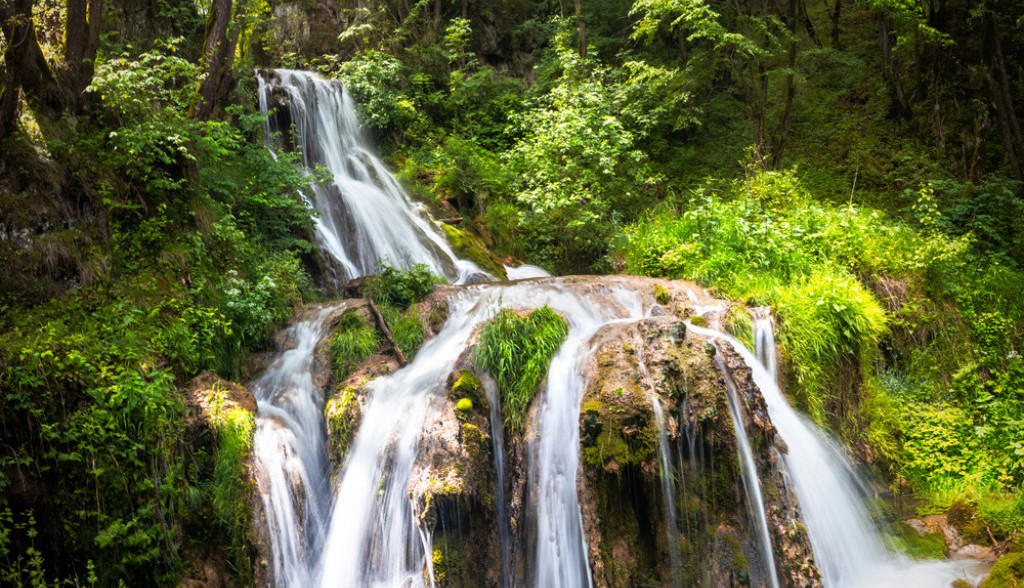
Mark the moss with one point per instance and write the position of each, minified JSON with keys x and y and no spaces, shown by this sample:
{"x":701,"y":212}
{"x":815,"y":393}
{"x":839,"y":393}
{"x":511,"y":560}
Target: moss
{"x":470,"y":247}
{"x":449,"y":563}
{"x":464,"y":406}
{"x":737,"y":323}
{"x":467,"y":385}
{"x":661,"y":295}
{"x":342,"y":416}
{"x":1007,"y":573}
{"x":611,"y":445}
{"x":698,"y":321}
{"x":927,"y":546}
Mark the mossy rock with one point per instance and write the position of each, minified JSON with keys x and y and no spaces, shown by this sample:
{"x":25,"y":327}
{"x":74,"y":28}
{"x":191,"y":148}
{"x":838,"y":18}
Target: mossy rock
{"x":1007,"y":573}
{"x":464,"y":406}
{"x":468,"y":387}
{"x":342,"y":414}
{"x":661,"y":295}
{"x":918,"y":546}
{"x":472,"y":248}
{"x":698,"y":321}
{"x":739,"y":325}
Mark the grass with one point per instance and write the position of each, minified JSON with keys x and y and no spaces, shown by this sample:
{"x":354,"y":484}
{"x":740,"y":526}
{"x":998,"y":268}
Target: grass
{"x":517,"y":350}
{"x":354,"y":341}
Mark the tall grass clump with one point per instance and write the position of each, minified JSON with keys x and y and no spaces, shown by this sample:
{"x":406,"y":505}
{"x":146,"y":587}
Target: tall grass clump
{"x":517,"y":350}
{"x":231,"y":487}
{"x":354,"y":341}
{"x":827,"y":317}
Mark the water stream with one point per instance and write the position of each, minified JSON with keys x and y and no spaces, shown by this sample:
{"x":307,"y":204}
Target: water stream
{"x":291,"y":458}
{"x":365,"y":216}
{"x":848,"y":548}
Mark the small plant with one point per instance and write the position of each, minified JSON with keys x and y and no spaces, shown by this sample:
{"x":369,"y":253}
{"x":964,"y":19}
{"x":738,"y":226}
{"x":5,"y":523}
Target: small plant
{"x":401,"y":288}
{"x":517,"y":350}
{"x":354,"y":342}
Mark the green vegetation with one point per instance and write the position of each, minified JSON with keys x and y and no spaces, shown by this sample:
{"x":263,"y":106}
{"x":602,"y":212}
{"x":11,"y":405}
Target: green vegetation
{"x":517,"y":350}
{"x":395,"y":292}
{"x":858,"y":165}
{"x":354,"y":341}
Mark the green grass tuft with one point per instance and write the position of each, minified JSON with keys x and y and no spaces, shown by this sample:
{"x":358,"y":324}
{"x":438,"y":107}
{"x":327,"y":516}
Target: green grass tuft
{"x":517,"y":350}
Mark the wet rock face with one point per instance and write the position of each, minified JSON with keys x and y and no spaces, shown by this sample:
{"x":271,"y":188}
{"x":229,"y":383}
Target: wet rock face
{"x":625,"y":517}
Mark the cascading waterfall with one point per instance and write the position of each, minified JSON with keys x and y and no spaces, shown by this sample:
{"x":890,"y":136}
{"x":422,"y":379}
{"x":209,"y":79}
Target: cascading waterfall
{"x":848,"y":549}
{"x":748,"y":471}
{"x":498,"y":440}
{"x":561,"y":552}
{"x":291,"y":460}
{"x":374,"y":537}
{"x":365,"y":216}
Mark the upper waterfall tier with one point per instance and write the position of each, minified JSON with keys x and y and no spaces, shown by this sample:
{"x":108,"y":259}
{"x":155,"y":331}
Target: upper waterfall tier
{"x":365,"y":217}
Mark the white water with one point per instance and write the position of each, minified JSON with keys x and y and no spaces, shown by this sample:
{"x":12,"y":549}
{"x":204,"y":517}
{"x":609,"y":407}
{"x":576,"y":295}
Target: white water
{"x":365,"y":216}
{"x":291,"y":460}
{"x":847,"y":547}
{"x":748,"y":470}
{"x":561,"y":552}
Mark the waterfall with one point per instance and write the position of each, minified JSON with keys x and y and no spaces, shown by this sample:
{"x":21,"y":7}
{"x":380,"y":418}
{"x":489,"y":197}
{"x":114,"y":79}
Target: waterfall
{"x":364,"y":215}
{"x":848,"y":548}
{"x":748,"y":471}
{"x":290,"y":455}
{"x":561,"y":551}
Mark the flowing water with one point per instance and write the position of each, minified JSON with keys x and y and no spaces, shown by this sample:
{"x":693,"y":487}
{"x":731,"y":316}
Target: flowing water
{"x":291,"y":459}
{"x":848,"y":548}
{"x":748,"y":470}
{"x":365,"y":216}
{"x":372,"y":535}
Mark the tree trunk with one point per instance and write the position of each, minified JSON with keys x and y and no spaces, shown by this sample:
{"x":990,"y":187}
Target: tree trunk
{"x":582,"y":29}
{"x":780,"y":141}
{"x":437,"y":17}
{"x":1001,"y":96}
{"x":26,"y":67}
{"x":218,"y":54}
{"x":891,"y":66}
{"x":84,"y":19}
{"x":835,"y":25}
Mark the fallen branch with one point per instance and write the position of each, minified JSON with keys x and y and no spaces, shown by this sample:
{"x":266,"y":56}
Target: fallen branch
{"x":383,"y":325}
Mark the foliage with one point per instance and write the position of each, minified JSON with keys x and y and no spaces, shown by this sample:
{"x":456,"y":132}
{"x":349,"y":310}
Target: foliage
{"x":400,"y":288}
{"x":354,"y":340}
{"x":231,"y":486}
{"x":517,"y":350}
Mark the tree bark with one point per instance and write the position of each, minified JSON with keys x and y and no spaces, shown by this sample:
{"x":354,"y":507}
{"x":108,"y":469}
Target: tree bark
{"x":581,"y":27}
{"x":218,"y":54}
{"x":835,"y":25}
{"x":84,"y":19}
{"x":1001,"y":97}
{"x":891,"y":66}
{"x":26,"y":67}
{"x":780,"y":141}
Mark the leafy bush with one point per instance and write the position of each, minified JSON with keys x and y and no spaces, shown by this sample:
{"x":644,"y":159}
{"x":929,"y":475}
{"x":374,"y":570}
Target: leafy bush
{"x":517,"y":350}
{"x":400,"y":288}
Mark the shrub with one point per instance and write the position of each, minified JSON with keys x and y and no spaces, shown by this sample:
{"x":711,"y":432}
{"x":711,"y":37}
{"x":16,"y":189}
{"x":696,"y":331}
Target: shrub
{"x":400,"y":288}
{"x":517,"y":350}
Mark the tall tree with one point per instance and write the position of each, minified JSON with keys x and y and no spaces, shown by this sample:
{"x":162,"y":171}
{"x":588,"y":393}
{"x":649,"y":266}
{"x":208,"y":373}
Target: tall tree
{"x":218,"y":55}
